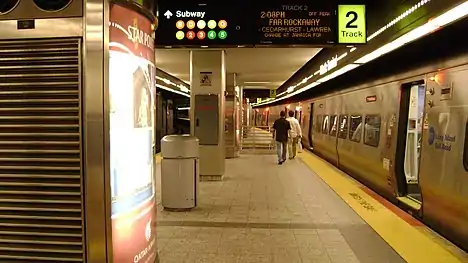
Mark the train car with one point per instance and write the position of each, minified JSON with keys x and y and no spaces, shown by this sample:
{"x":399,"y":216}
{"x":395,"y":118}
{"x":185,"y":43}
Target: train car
{"x":405,"y":136}
{"x":171,"y":115}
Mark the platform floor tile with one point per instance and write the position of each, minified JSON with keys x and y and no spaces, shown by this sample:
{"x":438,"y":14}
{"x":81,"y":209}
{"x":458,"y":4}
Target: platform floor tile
{"x":262,"y":212}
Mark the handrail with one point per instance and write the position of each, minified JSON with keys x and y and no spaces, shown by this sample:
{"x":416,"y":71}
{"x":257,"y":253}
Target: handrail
{"x":258,"y":139}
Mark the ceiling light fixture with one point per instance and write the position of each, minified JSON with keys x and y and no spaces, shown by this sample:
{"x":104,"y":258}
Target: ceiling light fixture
{"x":169,"y":82}
{"x":172,"y":90}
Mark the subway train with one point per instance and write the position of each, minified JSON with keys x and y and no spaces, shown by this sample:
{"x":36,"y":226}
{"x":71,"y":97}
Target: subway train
{"x":172,"y":115}
{"x":405,"y":136}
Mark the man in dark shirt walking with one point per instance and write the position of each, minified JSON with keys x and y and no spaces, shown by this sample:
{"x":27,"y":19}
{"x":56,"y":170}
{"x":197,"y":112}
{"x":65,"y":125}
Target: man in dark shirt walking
{"x":280,"y":134}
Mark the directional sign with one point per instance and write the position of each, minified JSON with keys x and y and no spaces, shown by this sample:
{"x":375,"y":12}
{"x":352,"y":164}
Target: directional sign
{"x":273,"y":93}
{"x":193,"y":25}
{"x":352,"y":24}
{"x":168,"y":14}
{"x":243,"y":23}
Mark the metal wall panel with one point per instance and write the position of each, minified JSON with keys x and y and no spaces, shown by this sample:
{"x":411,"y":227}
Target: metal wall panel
{"x":41,"y":216}
{"x":207,"y":119}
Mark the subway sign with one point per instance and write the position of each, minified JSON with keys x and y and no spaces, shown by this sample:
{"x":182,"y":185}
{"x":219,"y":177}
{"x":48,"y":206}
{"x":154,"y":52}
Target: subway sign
{"x":267,"y":24}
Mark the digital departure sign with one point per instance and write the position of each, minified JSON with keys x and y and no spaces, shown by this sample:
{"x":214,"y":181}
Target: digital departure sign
{"x":201,"y":25}
{"x":290,"y":24}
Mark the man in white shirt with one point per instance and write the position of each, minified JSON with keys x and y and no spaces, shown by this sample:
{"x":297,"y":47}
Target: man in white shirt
{"x":295,"y":134}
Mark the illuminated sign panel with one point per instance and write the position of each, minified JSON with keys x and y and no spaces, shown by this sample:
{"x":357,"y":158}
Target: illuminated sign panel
{"x":273,"y":93}
{"x":201,"y":25}
{"x":131,"y":96}
{"x":352,"y":24}
{"x":263,"y":24}
{"x":290,"y":24}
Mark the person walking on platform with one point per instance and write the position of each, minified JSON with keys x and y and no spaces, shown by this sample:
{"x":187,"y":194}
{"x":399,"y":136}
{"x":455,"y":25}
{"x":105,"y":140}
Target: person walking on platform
{"x":281,"y":128}
{"x":295,"y":134}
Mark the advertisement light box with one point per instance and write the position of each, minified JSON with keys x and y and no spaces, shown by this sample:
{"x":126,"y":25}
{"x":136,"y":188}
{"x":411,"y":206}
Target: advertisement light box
{"x":131,"y":99}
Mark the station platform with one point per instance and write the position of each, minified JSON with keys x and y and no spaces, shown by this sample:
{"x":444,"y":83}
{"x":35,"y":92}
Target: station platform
{"x":303,"y":211}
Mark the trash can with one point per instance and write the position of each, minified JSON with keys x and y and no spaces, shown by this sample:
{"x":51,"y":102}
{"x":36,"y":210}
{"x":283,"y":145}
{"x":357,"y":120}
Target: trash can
{"x":179,"y":172}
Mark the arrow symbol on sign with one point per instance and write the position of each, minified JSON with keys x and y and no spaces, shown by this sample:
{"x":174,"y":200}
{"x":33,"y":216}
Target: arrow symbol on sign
{"x":168,"y":14}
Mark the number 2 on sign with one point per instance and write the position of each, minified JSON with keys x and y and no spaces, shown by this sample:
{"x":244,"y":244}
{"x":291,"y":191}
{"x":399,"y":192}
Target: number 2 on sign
{"x":354,"y":16}
{"x":190,"y":35}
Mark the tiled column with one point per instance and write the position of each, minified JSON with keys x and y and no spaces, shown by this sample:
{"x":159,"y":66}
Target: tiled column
{"x":207,"y":104}
{"x":231,"y":114}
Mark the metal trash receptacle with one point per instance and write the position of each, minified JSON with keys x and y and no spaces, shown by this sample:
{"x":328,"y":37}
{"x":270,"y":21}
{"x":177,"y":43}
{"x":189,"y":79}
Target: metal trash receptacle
{"x":179,"y":172}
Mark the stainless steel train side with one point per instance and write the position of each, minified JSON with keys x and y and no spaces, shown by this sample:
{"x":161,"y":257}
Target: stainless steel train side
{"x":417,"y":159}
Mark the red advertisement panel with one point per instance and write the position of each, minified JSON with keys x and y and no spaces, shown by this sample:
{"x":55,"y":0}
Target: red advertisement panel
{"x":131,"y":95}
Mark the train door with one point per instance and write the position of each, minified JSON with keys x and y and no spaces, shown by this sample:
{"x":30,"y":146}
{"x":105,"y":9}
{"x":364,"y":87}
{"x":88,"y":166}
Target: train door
{"x":410,"y":128}
{"x":298,"y":114}
{"x":159,"y":119}
{"x":311,"y":125}
{"x":164,"y":117}
{"x":170,"y":117}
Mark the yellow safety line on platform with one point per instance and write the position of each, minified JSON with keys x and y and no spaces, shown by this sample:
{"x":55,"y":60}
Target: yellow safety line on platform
{"x":411,"y":244}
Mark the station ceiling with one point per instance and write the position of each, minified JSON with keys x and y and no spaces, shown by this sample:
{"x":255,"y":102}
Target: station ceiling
{"x":257,"y":68}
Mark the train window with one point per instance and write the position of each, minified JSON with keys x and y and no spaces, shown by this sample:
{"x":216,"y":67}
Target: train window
{"x":334,"y":125}
{"x":318,"y":123}
{"x":372,"y":130}
{"x":465,"y":151}
{"x":325,"y":124}
{"x":343,"y":132}
{"x":355,"y":128}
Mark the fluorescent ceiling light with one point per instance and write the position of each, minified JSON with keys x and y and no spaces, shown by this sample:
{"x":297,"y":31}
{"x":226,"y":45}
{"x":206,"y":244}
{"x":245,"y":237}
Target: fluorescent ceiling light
{"x":172,"y":90}
{"x":256,"y":87}
{"x":184,"y":89}
{"x":448,"y":17}
{"x":180,"y":86}
{"x":426,"y":29}
{"x":337,"y":73}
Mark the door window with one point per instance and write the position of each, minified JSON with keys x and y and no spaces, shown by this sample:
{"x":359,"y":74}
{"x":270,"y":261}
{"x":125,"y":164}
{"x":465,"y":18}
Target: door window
{"x":372,"y":130}
{"x":318,"y":124}
{"x":465,"y":151}
{"x":325,"y":124}
{"x":343,"y":131}
{"x":355,"y":128}
{"x":334,"y":125}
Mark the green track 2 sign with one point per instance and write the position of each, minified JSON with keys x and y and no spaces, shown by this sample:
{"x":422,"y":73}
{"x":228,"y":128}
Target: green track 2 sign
{"x":352,"y":24}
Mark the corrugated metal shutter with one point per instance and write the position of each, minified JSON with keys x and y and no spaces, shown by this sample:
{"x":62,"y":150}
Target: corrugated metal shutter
{"x":40,"y":151}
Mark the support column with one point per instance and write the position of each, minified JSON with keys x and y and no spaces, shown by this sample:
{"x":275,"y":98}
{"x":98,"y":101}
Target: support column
{"x":231,"y":119}
{"x":207,"y":104}
{"x":238,"y":129}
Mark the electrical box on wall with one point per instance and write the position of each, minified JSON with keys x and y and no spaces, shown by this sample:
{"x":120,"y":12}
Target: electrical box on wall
{"x":37,"y":9}
{"x":207,"y":119}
